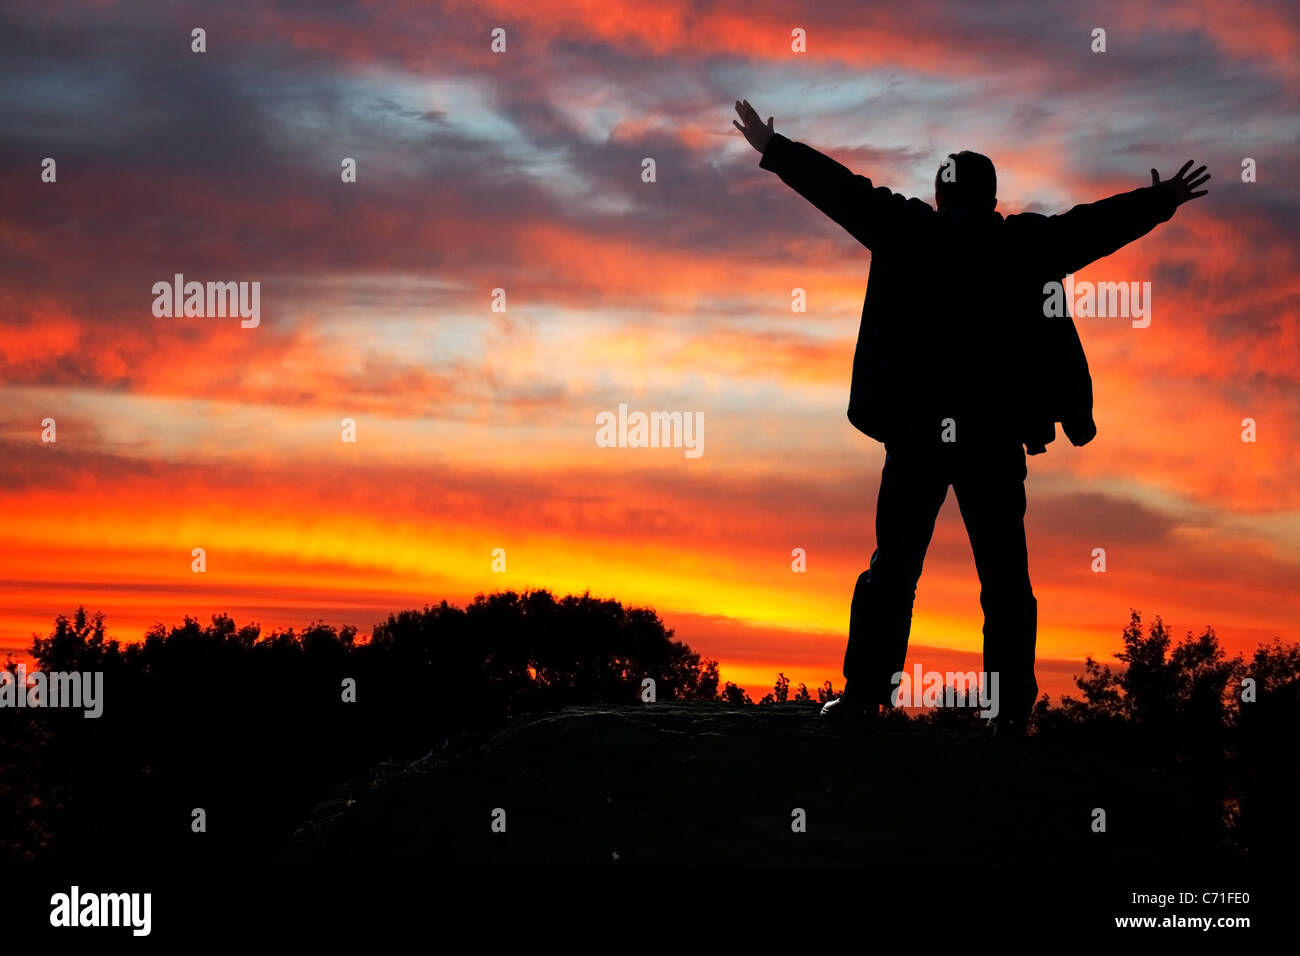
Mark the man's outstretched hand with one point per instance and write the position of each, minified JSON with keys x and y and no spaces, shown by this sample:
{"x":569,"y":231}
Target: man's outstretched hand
{"x":1182,"y":184}
{"x":753,"y":128}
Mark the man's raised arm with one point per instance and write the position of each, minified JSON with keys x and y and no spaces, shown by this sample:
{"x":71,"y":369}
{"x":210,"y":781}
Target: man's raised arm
{"x":869,"y":213}
{"x":1091,"y":231}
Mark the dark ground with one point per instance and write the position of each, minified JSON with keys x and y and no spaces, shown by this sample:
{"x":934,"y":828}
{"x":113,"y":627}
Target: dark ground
{"x":687,"y":784}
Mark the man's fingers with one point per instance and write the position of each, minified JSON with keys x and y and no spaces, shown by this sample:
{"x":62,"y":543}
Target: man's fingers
{"x":1155,"y":178}
{"x":1199,"y":182}
{"x":738,"y":126}
{"x":1186,"y":166}
{"x":1203,"y":192}
{"x":1196,"y":172}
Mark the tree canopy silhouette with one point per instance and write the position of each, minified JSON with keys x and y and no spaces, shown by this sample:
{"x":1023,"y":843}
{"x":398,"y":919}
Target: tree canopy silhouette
{"x":254,"y":728}
{"x":221,"y":716}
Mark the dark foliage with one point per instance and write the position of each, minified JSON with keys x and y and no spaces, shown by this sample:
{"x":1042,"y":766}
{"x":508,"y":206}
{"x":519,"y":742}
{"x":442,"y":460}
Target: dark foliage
{"x":254,"y":729}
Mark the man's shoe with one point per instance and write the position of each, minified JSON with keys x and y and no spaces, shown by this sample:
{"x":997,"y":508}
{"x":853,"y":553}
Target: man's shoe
{"x":846,"y":709}
{"x":1001,"y":728}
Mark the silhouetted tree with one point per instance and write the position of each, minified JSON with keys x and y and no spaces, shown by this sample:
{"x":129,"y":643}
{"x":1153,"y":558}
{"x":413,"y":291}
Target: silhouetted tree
{"x":782,"y":689}
{"x":735,"y":694}
{"x":1182,"y":691}
{"x":1266,"y":781}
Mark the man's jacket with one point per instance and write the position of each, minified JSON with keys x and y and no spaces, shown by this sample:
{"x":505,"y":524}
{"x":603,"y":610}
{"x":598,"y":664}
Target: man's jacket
{"x":953,"y":324}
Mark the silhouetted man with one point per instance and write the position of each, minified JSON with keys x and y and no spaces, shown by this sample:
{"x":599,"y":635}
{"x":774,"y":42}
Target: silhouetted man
{"x":958,"y":370}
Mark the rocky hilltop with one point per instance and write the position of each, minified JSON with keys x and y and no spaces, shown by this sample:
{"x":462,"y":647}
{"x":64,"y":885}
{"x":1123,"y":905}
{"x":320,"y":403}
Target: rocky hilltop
{"x":708,"y":783}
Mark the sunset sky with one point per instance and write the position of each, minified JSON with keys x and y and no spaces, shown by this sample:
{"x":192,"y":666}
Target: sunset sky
{"x":522,"y":171}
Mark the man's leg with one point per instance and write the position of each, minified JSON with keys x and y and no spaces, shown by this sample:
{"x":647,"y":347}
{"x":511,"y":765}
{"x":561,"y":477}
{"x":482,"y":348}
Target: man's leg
{"x":990,"y":488}
{"x":913,"y":486}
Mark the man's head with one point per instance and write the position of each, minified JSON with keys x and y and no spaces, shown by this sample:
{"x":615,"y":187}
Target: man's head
{"x":966,"y":181}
